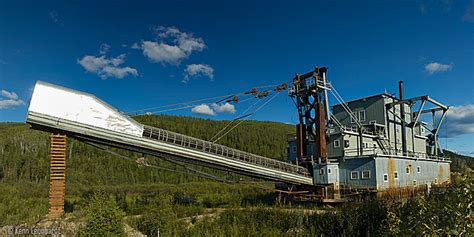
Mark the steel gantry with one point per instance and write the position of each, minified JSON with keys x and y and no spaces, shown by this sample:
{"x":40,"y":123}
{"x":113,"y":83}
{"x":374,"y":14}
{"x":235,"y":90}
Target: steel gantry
{"x":437,"y":120}
{"x":309,"y":94}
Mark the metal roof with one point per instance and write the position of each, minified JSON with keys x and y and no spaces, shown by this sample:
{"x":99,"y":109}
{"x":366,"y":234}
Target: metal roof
{"x":385,"y":94}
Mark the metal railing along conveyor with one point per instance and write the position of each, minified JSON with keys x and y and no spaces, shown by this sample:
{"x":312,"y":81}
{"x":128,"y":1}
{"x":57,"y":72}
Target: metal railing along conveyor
{"x":213,"y":148}
{"x":83,"y":116}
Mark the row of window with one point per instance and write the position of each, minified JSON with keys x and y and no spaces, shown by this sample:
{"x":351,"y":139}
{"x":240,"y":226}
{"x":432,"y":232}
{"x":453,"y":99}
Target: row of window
{"x":337,"y":144}
{"x":407,"y":169}
{"x":321,"y":171}
{"x":365,"y":174}
{"x":395,"y":173}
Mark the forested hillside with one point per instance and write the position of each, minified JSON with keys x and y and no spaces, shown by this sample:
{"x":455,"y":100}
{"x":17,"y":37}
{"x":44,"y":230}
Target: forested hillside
{"x":100,"y":186}
{"x":460,"y":163}
{"x":263,"y":138}
{"x":24,"y":168}
{"x":24,"y":152}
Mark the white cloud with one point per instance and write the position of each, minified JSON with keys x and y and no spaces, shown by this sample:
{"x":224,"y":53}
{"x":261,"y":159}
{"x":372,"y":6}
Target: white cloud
{"x":460,"y":120}
{"x":161,"y":52}
{"x":5,"y":104}
{"x":213,"y":109}
{"x":135,"y":46}
{"x":224,"y":108}
{"x":11,"y":100}
{"x":438,"y":67}
{"x":186,"y":41}
{"x":107,"y":67}
{"x":104,"y":48}
{"x":171,"y":47}
{"x":9,"y":94}
{"x":203,"y":109}
{"x":193,"y":70}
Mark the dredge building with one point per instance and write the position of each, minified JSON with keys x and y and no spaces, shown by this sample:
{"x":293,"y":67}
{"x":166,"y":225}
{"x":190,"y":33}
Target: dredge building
{"x":373,"y":144}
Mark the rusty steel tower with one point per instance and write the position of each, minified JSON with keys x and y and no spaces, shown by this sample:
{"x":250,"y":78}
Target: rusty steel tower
{"x":309,"y":94}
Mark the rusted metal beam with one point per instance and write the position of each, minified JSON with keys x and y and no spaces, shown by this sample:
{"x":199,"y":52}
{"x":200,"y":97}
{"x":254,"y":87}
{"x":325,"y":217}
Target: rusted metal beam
{"x":402,"y":114}
{"x":321,"y":149}
{"x":300,"y":142}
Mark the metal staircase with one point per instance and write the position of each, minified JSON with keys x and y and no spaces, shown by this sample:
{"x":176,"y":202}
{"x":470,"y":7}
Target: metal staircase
{"x":384,"y":144}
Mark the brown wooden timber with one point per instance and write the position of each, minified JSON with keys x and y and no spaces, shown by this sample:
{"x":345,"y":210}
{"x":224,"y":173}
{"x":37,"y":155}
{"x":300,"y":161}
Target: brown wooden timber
{"x":57,"y":185}
{"x":321,"y":150}
{"x":300,"y":136}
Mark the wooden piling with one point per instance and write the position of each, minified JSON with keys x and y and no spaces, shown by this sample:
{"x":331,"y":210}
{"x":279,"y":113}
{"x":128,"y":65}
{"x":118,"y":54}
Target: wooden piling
{"x":57,"y":175}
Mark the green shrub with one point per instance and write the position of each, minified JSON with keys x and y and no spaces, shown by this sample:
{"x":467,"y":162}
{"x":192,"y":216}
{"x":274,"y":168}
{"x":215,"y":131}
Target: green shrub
{"x":159,"y":219}
{"x":448,"y":213}
{"x":22,"y":203}
{"x":103,"y":216}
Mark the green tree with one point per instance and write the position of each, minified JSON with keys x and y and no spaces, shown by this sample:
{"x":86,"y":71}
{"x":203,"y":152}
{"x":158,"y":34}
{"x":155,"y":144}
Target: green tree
{"x":103,"y":216}
{"x":160,"y":217}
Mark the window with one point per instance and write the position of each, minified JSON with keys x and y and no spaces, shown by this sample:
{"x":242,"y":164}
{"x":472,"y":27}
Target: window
{"x":337,"y":143}
{"x":329,"y":171}
{"x":362,"y":115}
{"x":385,"y":177}
{"x":293,"y":149}
{"x":375,"y":145}
{"x":321,"y":171}
{"x":436,"y":180}
{"x":366,"y":145}
{"x":395,"y":174}
{"x":346,"y":143}
{"x":407,"y":170}
{"x":354,"y":174}
{"x":418,"y":169}
{"x":366,"y":174}
{"x":414,"y":182}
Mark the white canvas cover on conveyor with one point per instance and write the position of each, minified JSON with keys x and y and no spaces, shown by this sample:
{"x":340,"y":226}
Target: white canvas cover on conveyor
{"x":80,"y":107}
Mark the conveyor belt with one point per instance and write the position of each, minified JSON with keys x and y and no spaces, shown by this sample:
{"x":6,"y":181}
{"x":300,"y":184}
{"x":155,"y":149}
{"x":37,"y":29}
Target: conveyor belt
{"x":213,"y":148}
{"x":89,"y":118}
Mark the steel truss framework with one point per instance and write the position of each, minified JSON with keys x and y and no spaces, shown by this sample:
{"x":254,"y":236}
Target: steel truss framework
{"x":433,"y":140}
{"x":309,"y":94}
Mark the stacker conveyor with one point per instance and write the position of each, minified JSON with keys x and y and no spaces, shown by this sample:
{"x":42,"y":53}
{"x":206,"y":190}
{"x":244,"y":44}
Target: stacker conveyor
{"x":83,"y":116}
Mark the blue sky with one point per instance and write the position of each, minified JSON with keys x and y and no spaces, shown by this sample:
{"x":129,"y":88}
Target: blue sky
{"x":137,"y":54}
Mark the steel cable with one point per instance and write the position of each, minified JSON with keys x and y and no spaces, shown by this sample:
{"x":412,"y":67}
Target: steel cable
{"x":241,"y":121}
{"x":194,"y":101}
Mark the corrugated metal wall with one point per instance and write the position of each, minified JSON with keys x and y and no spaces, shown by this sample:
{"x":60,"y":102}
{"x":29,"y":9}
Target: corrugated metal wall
{"x":420,"y":171}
